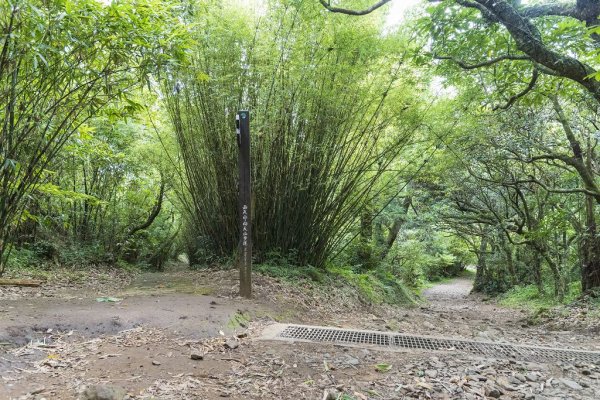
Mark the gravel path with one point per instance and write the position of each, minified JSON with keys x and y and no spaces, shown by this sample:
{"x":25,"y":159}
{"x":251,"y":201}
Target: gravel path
{"x":457,"y":288}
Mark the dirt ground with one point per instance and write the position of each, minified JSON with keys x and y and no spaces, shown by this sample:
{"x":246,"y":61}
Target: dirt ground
{"x":185,"y":335}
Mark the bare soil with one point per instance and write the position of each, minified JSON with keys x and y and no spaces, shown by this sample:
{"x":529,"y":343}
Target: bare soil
{"x":61,"y":342}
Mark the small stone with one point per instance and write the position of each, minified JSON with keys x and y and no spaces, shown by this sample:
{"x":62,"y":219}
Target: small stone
{"x":154,"y":362}
{"x":428,"y":325}
{"x":493,"y":392}
{"x":477,"y":378}
{"x":232,"y":344}
{"x":353,"y":361}
{"x":520,"y":377}
{"x":197,"y":356}
{"x":103,"y":392}
{"x":505,"y":384}
{"x":331,"y":394}
{"x":571,"y":384}
{"x":513,"y":380}
{"x":586,"y":372}
{"x":531,"y":377}
{"x":432,"y":373}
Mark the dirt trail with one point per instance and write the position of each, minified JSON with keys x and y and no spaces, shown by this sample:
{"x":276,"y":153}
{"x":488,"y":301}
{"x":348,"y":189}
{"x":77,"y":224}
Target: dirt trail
{"x":144,"y":345}
{"x":457,"y":288}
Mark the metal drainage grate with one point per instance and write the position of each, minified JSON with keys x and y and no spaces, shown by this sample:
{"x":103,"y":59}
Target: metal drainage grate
{"x":335,"y":335}
{"x":495,"y":350}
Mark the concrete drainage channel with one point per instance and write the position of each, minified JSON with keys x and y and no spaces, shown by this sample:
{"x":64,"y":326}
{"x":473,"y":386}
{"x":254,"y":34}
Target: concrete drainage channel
{"x":394,"y":341}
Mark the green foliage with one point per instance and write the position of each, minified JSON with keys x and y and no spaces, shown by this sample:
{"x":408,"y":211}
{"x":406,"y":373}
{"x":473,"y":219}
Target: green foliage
{"x":63,"y":63}
{"x":375,"y":286}
{"x":529,"y":297}
{"x":417,"y":259}
{"x":326,"y":105}
{"x":21,"y":258}
{"x":280,"y":268}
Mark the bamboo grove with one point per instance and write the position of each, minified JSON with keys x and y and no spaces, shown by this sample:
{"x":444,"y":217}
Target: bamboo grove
{"x":326,"y":123}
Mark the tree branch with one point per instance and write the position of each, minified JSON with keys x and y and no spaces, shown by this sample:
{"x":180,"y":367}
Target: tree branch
{"x":346,"y":11}
{"x":529,"y":88}
{"x":544,"y":10}
{"x":586,"y":10}
{"x":153,"y":214}
{"x":486,"y":63}
{"x":529,"y":41}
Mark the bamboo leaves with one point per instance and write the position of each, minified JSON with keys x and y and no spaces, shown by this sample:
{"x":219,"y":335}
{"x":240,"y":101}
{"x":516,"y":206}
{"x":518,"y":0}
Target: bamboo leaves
{"x":323,"y":128}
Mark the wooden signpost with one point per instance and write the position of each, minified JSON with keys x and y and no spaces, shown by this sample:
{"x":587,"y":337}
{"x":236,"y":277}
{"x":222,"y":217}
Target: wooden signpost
{"x":245,"y":202}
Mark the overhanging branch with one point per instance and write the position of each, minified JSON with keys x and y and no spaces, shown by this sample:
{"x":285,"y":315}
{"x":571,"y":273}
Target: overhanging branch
{"x":534,"y":77}
{"x":582,"y":10}
{"x":486,"y":63}
{"x":346,"y":11}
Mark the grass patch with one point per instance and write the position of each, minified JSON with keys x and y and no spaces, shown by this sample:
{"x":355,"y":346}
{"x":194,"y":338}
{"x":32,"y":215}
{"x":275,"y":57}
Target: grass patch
{"x":375,"y":286}
{"x":529,"y":298}
{"x":290,"y":272}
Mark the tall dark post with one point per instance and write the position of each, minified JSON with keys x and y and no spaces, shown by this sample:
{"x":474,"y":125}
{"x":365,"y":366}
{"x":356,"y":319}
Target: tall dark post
{"x":245,"y":208}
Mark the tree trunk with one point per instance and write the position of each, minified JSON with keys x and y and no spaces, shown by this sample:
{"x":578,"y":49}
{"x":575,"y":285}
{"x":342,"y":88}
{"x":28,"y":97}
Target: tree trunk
{"x":365,"y":251}
{"x":481,"y":266}
{"x":395,"y":229}
{"x":537,"y":271}
{"x":590,"y":268}
{"x":559,"y":283}
{"x":510,"y":264}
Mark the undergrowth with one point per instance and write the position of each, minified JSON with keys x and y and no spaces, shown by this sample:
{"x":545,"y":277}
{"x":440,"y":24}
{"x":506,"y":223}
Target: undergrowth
{"x":376,"y":287}
{"x":73,"y":265}
{"x":528,"y":297}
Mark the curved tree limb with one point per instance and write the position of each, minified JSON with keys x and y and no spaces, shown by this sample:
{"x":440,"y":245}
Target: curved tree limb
{"x":346,"y":11}
{"x":528,"y":39}
{"x":582,"y":10}
{"x":486,"y":63}
{"x":153,"y":214}
{"x":534,"y":77}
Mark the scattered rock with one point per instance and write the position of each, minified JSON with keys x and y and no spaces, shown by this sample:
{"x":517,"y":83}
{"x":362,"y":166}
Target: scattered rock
{"x":571,"y":384}
{"x":520,"y":377}
{"x":232,"y":344}
{"x":531,"y":377}
{"x":432,"y":373}
{"x":428,"y":325}
{"x":506,"y":384}
{"x":352,"y":361}
{"x":493,"y":392}
{"x":331,"y":394}
{"x":103,"y":392}
{"x":154,"y":362}
{"x":197,"y":356}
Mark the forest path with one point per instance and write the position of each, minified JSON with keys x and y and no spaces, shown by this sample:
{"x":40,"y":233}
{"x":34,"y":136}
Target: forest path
{"x":168,"y":358}
{"x":455,"y":288}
